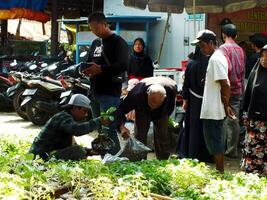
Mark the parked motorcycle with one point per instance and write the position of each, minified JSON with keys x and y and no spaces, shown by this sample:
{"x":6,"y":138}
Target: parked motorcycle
{"x":14,"y":93}
{"x":41,"y":99}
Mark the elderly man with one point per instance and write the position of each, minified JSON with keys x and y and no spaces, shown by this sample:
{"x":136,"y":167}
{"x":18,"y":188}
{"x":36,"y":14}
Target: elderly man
{"x":215,"y":105}
{"x":153,"y":99}
{"x":56,"y":137}
{"x":109,"y":59}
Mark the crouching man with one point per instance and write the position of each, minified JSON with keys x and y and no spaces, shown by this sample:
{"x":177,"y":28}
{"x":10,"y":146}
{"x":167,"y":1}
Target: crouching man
{"x":153,"y":99}
{"x":56,"y":137}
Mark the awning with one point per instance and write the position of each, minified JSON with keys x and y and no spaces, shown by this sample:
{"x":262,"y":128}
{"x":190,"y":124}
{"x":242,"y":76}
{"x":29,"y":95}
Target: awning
{"x":28,"y":9}
{"x":195,"y":6}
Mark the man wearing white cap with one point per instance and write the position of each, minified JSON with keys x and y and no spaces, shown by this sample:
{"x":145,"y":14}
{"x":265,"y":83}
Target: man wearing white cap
{"x":56,"y":137}
{"x":215,"y":105}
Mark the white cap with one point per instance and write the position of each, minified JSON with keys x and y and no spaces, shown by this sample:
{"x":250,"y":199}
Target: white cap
{"x":79,"y":100}
{"x":131,"y":83}
{"x":205,"y":35}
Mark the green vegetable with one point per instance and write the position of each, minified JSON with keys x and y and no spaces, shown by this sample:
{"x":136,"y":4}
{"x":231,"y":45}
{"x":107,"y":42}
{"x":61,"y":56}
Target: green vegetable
{"x":24,"y":178}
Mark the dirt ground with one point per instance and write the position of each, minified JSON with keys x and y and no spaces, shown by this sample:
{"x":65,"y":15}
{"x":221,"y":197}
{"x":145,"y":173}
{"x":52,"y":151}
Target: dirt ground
{"x":12,"y":124}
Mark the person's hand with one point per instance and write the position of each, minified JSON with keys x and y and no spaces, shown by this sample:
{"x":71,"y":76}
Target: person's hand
{"x":230,"y":113}
{"x":131,"y":115}
{"x":185,"y":104}
{"x":105,"y":121}
{"x":93,"y":70}
{"x":125,"y":133}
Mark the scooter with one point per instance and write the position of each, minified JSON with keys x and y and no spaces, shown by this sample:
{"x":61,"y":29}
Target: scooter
{"x":14,"y":93}
{"x":41,"y":99}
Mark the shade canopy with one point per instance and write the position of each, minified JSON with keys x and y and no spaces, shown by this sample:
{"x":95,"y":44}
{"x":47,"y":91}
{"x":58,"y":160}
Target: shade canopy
{"x":201,"y":6}
{"x":29,"y":9}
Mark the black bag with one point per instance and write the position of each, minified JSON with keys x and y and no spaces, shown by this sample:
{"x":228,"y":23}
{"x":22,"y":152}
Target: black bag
{"x":134,"y":150}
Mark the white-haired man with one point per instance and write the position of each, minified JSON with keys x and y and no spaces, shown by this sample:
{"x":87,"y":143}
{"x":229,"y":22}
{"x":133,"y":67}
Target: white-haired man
{"x":153,"y":99}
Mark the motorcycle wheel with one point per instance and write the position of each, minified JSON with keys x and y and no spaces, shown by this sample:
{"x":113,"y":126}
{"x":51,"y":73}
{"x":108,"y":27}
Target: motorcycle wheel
{"x":35,"y":115}
{"x":3,"y":87}
{"x":18,"y":98}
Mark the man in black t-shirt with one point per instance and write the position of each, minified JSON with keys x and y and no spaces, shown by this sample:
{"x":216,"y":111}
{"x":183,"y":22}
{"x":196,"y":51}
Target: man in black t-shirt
{"x":153,"y":99}
{"x":108,"y":59}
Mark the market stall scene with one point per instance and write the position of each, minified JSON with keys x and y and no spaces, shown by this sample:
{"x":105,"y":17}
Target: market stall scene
{"x":133,"y":99}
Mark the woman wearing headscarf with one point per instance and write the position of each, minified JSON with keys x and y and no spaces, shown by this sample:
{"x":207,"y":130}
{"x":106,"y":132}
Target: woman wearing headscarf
{"x":140,"y":64}
{"x":254,"y":158}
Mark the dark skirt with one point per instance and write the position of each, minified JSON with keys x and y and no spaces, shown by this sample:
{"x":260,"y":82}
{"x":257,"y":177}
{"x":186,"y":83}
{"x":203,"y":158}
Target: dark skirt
{"x":191,"y":140}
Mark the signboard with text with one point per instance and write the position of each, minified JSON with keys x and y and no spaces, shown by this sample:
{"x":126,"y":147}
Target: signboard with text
{"x":247,"y":22}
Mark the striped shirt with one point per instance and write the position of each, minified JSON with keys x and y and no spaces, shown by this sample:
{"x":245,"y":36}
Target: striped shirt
{"x":236,"y":73}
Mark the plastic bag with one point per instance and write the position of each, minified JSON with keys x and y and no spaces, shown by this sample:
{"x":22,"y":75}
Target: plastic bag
{"x":108,"y":158}
{"x":134,"y":150}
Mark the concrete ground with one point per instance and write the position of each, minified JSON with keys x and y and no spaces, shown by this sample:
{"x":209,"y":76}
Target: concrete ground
{"x":12,"y":124}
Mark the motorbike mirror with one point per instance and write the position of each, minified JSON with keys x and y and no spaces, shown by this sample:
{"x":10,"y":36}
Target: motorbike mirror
{"x":36,"y":53}
{"x":83,"y":54}
{"x":52,"y":67}
{"x":60,"y":54}
{"x":33,"y":67}
{"x":14,"y":63}
{"x":44,"y":65}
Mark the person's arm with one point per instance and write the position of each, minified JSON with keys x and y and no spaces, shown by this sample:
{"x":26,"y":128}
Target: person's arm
{"x":248,"y":90}
{"x":91,"y":51}
{"x":121,"y":59}
{"x":219,"y":70}
{"x":225,"y":96}
{"x":70,"y":126}
{"x":185,"y":89}
{"x":126,"y":105}
{"x":172,"y":92}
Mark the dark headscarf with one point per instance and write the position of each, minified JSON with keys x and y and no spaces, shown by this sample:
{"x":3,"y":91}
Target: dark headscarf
{"x":140,"y":54}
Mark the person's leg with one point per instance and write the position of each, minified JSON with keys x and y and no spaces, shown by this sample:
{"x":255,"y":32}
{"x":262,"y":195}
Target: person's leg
{"x":162,"y":138}
{"x":219,"y":160}
{"x":214,"y":138}
{"x":232,"y":129}
{"x":95,"y":106}
{"x":74,"y":152}
{"x":142,"y":124}
{"x":105,"y":102}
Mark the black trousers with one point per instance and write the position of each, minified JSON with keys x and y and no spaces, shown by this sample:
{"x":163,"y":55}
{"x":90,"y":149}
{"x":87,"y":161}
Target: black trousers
{"x":162,"y":138}
{"x":73,"y":152}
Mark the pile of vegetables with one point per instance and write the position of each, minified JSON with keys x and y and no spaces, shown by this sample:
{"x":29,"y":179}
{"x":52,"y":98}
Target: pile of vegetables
{"x":21,"y":177}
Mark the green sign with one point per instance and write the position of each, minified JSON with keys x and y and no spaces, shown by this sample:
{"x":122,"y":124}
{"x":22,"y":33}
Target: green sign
{"x":198,"y":17}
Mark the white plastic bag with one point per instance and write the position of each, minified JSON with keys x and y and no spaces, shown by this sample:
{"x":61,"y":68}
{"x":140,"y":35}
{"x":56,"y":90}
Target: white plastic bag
{"x":108,"y":158}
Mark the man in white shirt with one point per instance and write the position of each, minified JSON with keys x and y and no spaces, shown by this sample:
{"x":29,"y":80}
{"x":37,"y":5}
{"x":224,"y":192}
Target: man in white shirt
{"x":215,"y":105}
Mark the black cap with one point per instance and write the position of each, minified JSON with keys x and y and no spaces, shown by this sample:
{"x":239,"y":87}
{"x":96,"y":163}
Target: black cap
{"x":225,"y":21}
{"x":229,"y":30}
{"x":258,"y":39}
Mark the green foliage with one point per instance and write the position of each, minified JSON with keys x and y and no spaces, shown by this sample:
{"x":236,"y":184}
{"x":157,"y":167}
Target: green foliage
{"x":21,"y":177}
{"x":109,"y":114}
{"x":172,"y":123}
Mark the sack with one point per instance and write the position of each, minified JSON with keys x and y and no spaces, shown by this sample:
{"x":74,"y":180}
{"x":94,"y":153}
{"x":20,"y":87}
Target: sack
{"x":134,"y":150}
